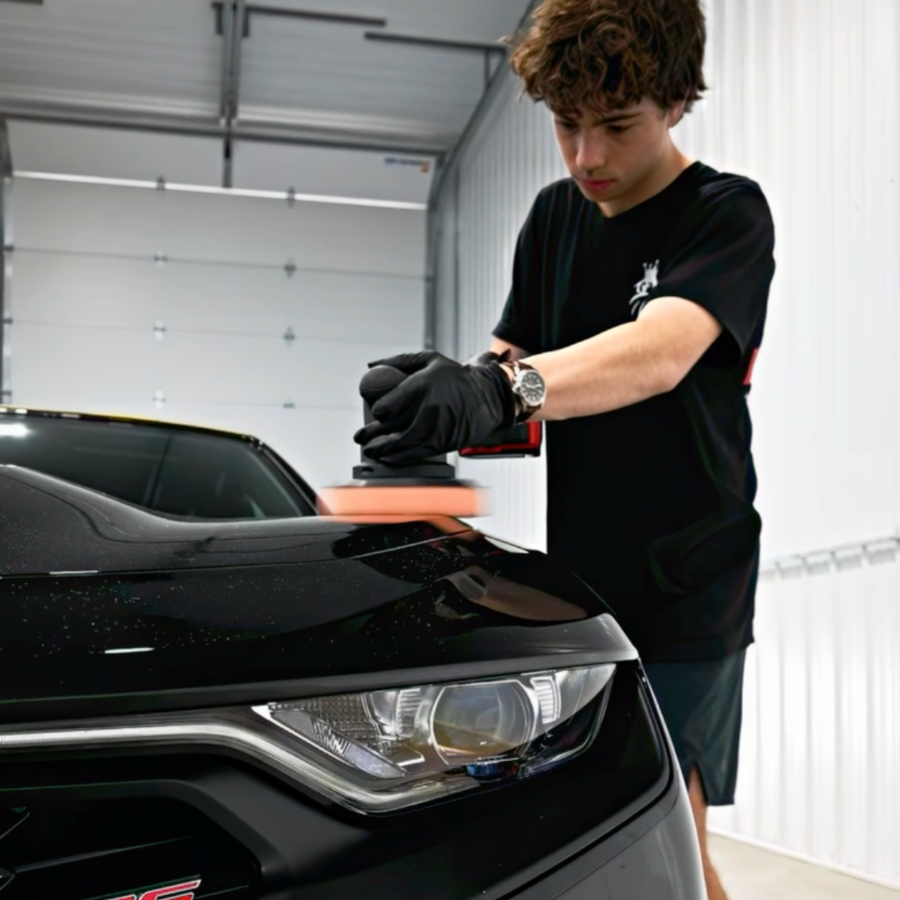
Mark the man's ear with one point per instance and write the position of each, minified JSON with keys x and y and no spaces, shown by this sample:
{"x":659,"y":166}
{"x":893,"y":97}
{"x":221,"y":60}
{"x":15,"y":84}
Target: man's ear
{"x":676,"y":113}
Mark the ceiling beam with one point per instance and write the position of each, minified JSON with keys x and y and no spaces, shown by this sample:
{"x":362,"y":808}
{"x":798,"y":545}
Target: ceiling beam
{"x":211,"y":127}
{"x":312,"y":15}
{"x":6,"y":169}
{"x":233,"y":14}
{"x":309,"y":15}
{"x":225,"y":29}
{"x":233,"y":80}
{"x":6,"y":166}
{"x":437,"y":43}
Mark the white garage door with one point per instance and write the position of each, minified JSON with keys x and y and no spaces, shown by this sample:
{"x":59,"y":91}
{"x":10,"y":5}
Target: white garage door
{"x":243,"y":313}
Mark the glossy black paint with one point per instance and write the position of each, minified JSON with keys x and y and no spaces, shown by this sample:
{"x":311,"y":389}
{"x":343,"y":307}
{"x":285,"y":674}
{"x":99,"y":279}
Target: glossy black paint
{"x":486,"y":845}
{"x":228,"y":613}
{"x":50,"y":525}
{"x":69,"y":427}
{"x":94,"y":849}
{"x":171,"y":605}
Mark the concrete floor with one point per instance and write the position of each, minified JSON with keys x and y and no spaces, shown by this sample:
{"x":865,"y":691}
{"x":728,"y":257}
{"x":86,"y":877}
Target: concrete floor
{"x":750,"y":873}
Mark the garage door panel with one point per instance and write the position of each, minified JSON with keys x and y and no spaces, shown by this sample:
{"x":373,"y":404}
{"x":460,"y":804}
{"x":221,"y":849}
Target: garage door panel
{"x":238,"y":369}
{"x":126,"y":293}
{"x":119,"y":367}
{"x":86,"y":295}
{"x":127,"y":221}
{"x":40,"y":147}
{"x":80,"y":368}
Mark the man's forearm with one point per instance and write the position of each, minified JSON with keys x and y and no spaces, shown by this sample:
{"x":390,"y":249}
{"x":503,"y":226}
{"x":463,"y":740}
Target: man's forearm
{"x":614,"y":369}
{"x":577,"y":376}
{"x":626,"y":364}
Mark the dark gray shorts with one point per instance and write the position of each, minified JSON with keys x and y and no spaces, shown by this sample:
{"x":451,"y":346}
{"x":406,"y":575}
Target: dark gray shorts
{"x":701,"y":705}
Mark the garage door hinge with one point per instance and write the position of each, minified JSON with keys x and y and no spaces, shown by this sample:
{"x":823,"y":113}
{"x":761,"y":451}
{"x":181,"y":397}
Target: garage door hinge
{"x":160,"y":258}
{"x":289,"y":404}
{"x":160,"y":183}
{"x":289,"y":336}
{"x":159,"y":331}
{"x":7,"y":320}
{"x":291,"y":196}
{"x":290,"y":268}
{"x":159,"y":398}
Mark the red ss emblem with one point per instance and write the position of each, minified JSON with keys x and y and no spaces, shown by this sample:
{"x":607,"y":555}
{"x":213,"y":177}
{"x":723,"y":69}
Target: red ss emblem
{"x":184,"y":891}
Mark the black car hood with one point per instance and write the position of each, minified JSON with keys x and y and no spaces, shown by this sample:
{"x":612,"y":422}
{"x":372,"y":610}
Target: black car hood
{"x":102,"y":602}
{"x":48,"y":525}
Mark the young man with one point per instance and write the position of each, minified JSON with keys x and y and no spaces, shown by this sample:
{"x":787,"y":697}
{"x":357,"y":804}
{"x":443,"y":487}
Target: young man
{"x":639,"y":298}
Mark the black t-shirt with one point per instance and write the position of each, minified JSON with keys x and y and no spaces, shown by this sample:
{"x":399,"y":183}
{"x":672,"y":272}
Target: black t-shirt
{"x":652,"y":504}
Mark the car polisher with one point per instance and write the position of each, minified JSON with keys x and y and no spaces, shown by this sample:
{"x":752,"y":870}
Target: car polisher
{"x":429,"y":487}
{"x":425,"y":488}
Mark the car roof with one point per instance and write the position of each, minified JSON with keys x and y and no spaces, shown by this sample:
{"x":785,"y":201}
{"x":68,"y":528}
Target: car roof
{"x":18,"y":410}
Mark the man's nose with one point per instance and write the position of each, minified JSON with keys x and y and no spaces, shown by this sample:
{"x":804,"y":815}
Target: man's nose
{"x":592,"y":152}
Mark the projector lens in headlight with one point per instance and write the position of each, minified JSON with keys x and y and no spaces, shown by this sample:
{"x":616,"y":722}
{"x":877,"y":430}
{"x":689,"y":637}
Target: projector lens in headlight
{"x":499,"y":729}
{"x":473,"y":721}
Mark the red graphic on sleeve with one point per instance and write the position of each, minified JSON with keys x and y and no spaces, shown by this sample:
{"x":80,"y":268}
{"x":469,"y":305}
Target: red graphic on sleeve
{"x":752,"y":363}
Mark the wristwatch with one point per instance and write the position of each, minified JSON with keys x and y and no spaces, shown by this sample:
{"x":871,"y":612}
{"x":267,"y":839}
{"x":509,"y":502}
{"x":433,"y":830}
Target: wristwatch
{"x":528,"y":387}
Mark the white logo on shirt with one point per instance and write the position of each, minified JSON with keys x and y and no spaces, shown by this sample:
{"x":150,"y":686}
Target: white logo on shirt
{"x":643,"y":287}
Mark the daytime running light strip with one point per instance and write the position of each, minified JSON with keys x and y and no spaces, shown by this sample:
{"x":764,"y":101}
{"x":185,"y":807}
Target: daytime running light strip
{"x":249,"y":743}
{"x":224,"y":192}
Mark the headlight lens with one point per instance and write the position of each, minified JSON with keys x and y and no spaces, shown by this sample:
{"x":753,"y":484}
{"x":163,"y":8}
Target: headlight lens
{"x":499,"y":729}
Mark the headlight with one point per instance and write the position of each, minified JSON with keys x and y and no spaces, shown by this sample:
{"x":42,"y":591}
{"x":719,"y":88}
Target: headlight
{"x":382,"y":751}
{"x":452,"y":735}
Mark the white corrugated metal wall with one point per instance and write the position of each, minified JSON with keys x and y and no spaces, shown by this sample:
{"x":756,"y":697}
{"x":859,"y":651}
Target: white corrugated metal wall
{"x":805,"y":100}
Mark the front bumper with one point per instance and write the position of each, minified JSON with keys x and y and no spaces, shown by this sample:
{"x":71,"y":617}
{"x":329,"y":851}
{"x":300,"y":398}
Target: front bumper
{"x":653,"y":857}
{"x":615,"y":823}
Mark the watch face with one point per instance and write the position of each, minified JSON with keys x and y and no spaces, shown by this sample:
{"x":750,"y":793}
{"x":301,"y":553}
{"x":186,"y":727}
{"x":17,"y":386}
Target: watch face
{"x":532,"y":388}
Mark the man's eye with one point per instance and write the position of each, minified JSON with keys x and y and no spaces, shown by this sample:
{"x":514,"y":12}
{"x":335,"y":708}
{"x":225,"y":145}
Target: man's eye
{"x":567,"y":126}
{"x":619,"y":129}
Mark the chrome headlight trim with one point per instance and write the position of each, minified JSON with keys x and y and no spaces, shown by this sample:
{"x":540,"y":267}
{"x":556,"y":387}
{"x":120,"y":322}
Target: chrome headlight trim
{"x":181,"y":731}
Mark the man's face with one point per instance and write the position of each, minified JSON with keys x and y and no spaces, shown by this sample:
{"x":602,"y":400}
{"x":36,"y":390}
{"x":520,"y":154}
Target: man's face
{"x":618,"y":159}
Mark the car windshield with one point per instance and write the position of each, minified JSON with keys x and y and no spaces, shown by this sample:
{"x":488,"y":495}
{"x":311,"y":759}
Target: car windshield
{"x":169,"y":470}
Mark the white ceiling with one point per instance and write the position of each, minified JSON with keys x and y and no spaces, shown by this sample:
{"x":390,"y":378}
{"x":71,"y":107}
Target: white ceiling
{"x":159,"y":63}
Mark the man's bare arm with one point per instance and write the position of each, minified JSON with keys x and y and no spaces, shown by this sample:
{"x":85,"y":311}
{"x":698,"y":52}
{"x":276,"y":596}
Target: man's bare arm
{"x":626,"y":364}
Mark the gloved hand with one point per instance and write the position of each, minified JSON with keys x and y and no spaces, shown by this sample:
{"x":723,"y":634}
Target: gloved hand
{"x":441,"y":406}
{"x":486,"y":358}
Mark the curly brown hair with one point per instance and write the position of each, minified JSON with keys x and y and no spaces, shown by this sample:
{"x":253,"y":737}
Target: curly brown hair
{"x":609,"y":54}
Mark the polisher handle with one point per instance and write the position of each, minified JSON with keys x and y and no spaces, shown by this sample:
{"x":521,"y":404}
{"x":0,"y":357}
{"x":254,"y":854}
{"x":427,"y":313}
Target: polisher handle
{"x":377,"y":382}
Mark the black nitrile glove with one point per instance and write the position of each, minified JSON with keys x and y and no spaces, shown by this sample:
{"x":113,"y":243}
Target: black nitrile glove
{"x":440,"y":407}
{"x":488,"y":357}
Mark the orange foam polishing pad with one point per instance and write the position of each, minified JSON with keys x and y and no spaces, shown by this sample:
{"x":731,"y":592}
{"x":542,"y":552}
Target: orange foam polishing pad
{"x":403,"y":500}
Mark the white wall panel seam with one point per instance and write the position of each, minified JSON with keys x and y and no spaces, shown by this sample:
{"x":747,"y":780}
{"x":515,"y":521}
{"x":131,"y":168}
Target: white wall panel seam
{"x":168,"y":260}
{"x":239,"y":334}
